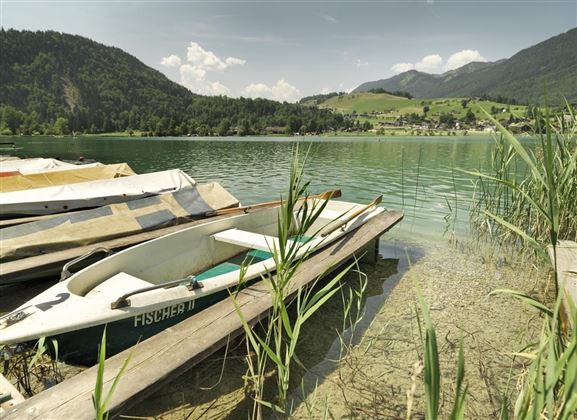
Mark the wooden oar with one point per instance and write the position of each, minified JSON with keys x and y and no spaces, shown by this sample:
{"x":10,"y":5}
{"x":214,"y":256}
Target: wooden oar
{"x":322,"y":196}
{"x":360,"y":211}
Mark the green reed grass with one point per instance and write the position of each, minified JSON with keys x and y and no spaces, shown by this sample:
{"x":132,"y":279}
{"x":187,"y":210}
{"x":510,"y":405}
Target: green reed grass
{"x":534,"y":206}
{"x":432,"y":369}
{"x":99,"y":399}
{"x":535,"y":209}
{"x":30,"y":367}
{"x":275,"y":348}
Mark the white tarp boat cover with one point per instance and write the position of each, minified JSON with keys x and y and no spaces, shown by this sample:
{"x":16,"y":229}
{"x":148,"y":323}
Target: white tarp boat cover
{"x":17,"y":182}
{"x":61,"y":198}
{"x":33,"y":165}
{"x":113,"y":221}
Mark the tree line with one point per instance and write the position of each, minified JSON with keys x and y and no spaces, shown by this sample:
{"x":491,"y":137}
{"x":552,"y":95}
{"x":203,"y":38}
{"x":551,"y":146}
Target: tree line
{"x":54,"y":83}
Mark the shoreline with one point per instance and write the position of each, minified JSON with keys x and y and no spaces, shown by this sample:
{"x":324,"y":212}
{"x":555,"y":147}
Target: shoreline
{"x":414,"y":133}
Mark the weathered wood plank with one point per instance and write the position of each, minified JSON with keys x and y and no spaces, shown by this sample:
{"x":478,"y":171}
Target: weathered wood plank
{"x":567,"y":270}
{"x":165,"y":356}
{"x":7,"y":390}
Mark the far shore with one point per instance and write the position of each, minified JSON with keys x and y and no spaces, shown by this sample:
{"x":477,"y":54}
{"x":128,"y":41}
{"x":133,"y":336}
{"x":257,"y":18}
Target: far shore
{"x":401,"y":132}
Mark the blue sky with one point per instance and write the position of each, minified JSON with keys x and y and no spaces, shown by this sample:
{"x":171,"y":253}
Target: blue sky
{"x":286,"y":49}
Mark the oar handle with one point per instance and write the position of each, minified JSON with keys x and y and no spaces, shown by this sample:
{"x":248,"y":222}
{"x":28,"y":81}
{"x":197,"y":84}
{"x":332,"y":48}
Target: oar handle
{"x":356,"y":213}
{"x":322,"y":196}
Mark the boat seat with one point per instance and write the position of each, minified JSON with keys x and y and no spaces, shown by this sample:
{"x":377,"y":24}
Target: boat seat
{"x":258,"y":241}
{"x":116,"y":286}
{"x":247,"y":239}
{"x":333,"y":214}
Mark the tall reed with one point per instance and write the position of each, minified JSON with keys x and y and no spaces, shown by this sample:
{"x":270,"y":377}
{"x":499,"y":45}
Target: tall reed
{"x":275,"y":348}
{"x":432,"y":370}
{"x":536,"y":209}
{"x":100,"y":401}
{"x":529,"y":198}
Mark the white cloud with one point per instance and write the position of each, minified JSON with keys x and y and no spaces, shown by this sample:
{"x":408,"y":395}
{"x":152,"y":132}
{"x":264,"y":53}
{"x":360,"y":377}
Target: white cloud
{"x":463,"y":57}
{"x":193,"y":78}
{"x":170,"y":61}
{"x":216,"y":88}
{"x":325,"y":90}
{"x":189,"y":73}
{"x":208,"y":60}
{"x":199,"y":64}
{"x":281,"y":91}
{"x":284,"y":91}
{"x":402,"y":67}
{"x":430,"y":64}
{"x":233,"y":61}
{"x":433,"y":63}
{"x":329,"y":18}
{"x":257,"y":90}
{"x":360,"y":63}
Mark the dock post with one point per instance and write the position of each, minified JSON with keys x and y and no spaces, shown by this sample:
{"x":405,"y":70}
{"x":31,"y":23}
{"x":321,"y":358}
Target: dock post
{"x":567,"y":274}
{"x":371,"y":252}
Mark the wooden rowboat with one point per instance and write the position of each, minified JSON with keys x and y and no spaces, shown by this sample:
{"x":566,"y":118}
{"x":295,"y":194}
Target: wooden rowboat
{"x":147,"y":288}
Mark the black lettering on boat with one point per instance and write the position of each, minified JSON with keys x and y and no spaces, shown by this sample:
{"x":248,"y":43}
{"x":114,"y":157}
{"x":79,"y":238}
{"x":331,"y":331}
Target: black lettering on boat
{"x":61,"y":297}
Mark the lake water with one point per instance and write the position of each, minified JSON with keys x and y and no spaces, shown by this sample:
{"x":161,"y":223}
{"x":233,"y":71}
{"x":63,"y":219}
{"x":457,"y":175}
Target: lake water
{"x":415,"y":174}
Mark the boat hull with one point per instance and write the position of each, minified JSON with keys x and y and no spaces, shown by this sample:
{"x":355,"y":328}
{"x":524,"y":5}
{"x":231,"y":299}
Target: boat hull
{"x":80,"y":347}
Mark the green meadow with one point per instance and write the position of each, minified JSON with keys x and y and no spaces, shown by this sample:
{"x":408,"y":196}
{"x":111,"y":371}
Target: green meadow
{"x":383,"y":106}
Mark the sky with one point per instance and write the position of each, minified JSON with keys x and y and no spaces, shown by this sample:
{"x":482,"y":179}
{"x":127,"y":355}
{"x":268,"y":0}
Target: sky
{"x":284,"y":50}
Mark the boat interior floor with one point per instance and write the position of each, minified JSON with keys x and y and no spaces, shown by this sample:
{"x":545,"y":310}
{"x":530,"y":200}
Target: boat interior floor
{"x":124,"y":282}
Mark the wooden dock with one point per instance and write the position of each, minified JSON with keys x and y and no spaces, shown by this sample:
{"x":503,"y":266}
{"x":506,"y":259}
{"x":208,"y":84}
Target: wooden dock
{"x":9,"y":396}
{"x":169,"y":354}
{"x":567,"y":270}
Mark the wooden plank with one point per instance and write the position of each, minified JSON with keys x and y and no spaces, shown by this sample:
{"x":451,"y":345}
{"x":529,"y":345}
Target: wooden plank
{"x":167,"y":355}
{"x":52,"y":263}
{"x":7,"y":390}
{"x":567,"y":270}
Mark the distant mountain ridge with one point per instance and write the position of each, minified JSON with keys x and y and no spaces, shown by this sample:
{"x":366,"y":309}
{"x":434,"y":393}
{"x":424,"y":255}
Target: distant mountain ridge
{"x":550,"y":65}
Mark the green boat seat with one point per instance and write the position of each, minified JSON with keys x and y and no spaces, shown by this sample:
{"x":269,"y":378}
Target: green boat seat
{"x":217,"y":270}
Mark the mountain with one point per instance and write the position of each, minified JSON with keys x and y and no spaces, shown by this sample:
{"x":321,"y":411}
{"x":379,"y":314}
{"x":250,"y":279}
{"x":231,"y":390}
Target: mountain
{"x":53,"y":83}
{"x":551,"y":64}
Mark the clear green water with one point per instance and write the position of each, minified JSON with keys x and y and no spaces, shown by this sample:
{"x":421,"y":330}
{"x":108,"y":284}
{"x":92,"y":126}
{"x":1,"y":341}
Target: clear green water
{"x":417,"y":175}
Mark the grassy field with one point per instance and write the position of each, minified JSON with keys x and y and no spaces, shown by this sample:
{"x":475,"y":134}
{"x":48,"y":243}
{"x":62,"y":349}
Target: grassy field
{"x":382,"y":106}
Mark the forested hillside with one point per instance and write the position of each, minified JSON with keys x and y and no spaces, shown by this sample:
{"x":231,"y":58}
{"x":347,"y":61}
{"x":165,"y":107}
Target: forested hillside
{"x":54,"y":83}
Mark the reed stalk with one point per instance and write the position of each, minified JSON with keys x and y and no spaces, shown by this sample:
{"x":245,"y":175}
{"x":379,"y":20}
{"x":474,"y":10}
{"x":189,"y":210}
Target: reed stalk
{"x":533,"y":210}
{"x":275,"y":348}
{"x":432,"y":370}
{"x":99,"y":399}
{"x":528,"y":200}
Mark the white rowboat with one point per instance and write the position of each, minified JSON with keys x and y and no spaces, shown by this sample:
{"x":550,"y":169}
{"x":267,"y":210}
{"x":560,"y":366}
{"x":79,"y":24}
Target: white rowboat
{"x":147,"y":288}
